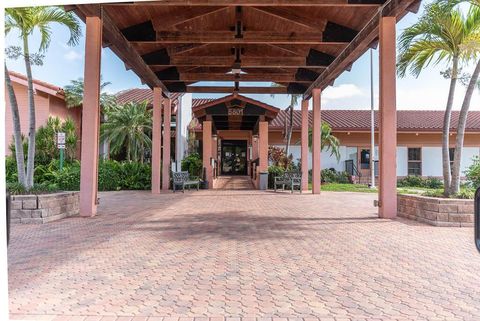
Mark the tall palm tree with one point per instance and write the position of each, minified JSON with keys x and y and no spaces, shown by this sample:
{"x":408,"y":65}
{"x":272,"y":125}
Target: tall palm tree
{"x":17,"y":131}
{"x":128,"y":126}
{"x":74,"y":94}
{"x":328,"y":141}
{"x":473,"y":45}
{"x":439,"y":36}
{"x":26,"y":21}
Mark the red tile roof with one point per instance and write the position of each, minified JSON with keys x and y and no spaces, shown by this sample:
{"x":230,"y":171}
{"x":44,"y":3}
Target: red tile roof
{"x":139,"y":95}
{"x":359,"y":120}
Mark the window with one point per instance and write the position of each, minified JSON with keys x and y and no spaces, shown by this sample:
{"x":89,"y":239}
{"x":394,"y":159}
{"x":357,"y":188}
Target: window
{"x":365,"y":159}
{"x":415,"y":161}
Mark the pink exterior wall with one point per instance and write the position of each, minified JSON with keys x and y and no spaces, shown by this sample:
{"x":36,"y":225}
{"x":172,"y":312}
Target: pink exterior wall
{"x":45,"y":106}
{"x":41,"y":112}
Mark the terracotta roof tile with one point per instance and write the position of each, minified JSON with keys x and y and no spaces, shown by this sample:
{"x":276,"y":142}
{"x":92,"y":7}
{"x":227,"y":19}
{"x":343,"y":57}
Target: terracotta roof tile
{"x":359,"y":120}
{"x":138,"y":95}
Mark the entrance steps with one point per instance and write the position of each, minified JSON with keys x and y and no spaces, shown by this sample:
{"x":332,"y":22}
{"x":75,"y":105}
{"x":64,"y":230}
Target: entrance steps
{"x":234,"y":183}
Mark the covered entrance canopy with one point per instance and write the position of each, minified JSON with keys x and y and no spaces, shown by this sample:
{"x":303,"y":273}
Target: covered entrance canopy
{"x":230,"y":125}
{"x":302,"y":45}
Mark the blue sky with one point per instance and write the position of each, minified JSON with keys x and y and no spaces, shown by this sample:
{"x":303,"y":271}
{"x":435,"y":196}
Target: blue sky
{"x":351,"y":90}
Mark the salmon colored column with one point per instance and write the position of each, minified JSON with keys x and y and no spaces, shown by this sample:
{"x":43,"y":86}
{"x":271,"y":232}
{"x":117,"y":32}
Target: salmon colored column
{"x":167,"y":115}
{"x":388,"y":120}
{"x":156,"y":139}
{"x":316,"y":142}
{"x":207,"y":151}
{"x":91,"y":117}
{"x":304,"y":146}
{"x":263,"y":146}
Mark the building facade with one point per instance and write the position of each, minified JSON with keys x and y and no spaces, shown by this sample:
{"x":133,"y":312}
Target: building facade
{"x":49,"y":102}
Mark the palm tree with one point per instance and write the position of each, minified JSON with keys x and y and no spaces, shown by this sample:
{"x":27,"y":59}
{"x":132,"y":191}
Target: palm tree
{"x":439,"y":35}
{"x":17,"y":131}
{"x":328,"y":141}
{"x":128,"y":126}
{"x":74,"y":94}
{"x":26,"y":21}
{"x":474,"y":46}
{"x":294,"y":98}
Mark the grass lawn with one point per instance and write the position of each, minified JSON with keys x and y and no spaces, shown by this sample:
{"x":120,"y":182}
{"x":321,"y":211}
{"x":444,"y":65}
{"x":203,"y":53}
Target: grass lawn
{"x":337,"y":187}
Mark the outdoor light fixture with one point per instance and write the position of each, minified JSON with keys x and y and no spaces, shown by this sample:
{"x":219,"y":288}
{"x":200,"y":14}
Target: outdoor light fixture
{"x":255,"y":138}
{"x":214,"y":137}
{"x":236,"y":68}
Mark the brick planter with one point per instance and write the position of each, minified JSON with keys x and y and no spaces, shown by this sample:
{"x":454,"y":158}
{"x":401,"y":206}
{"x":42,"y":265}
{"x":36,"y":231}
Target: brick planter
{"x":44,"y":208}
{"x":436,"y":211}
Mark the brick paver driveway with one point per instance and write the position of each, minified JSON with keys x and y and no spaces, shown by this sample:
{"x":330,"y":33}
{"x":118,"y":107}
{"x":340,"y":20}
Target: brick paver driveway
{"x":230,"y":254}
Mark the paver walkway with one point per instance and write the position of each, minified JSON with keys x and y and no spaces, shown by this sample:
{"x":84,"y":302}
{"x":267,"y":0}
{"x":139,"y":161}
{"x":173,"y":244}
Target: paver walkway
{"x":242,"y":254}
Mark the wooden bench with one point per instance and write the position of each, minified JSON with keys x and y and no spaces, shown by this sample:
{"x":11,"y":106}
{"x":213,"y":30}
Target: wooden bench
{"x":183,"y":179}
{"x":290,"y":180}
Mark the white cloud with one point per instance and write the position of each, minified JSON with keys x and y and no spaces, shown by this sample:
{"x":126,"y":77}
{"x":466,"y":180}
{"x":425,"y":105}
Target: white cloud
{"x":341,"y":92}
{"x":73,"y":55}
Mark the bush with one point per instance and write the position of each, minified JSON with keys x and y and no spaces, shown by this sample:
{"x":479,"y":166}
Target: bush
{"x":332,"y":176}
{"x":411,"y":181}
{"x":11,"y":169}
{"x":193,"y":165}
{"x":433,"y":182}
{"x":45,"y":188}
{"x":473,"y":173}
{"x":465,"y":194}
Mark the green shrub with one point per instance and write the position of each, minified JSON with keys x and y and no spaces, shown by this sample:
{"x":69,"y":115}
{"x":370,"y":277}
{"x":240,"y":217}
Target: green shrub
{"x":11,"y":169}
{"x":69,"y":178}
{"x":135,"y":176}
{"x":465,"y":194}
{"x":109,"y":175}
{"x":473,"y":173}
{"x":433,"y":182}
{"x":332,"y":176}
{"x":45,"y":188}
{"x":193,"y":164}
{"x":328,"y":176}
{"x":411,"y":181}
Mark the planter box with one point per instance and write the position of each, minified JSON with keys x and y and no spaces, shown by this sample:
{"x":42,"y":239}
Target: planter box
{"x":44,"y":208}
{"x":436,"y":211}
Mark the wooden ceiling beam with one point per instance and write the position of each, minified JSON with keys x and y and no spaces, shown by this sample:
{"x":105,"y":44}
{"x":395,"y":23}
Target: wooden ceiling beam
{"x":242,"y":90}
{"x":246,"y":62}
{"x":292,"y":17}
{"x":256,"y":77}
{"x":228,"y":37}
{"x":256,"y":3}
{"x":167,"y":22}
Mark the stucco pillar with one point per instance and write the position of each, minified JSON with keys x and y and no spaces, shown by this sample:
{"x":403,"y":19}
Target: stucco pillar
{"x":316,"y":142}
{"x":215,"y":152}
{"x":156,"y":139}
{"x":167,"y":115}
{"x":91,"y":117}
{"x":207,"y":151}
{"x":388,"y":120}
{"x":304,"y":146}
{"x":263,"y":146}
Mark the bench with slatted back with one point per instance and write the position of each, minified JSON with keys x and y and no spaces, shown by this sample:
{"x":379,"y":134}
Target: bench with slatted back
{"x":183,"y":179}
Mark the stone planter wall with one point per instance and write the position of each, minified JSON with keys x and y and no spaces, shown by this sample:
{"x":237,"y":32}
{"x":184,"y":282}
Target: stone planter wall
{"x":436,"y":211}
{"x":44,"y":208}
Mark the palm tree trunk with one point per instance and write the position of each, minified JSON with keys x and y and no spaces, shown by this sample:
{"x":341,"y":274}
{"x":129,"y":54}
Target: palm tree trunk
{"x":142,"y":153}
{"x":446,"y":129}
{"x":128,"y":150}
{"x":462,"y":123}
{"x":17,"y":131}
{"x":31,"y":106}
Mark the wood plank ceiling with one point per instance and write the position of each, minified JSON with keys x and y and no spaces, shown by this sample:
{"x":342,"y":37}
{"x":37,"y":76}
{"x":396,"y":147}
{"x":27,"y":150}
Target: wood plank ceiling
{"x":175,"y":44}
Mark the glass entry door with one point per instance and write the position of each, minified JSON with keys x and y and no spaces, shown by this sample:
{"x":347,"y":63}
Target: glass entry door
{"x":234,"y":157}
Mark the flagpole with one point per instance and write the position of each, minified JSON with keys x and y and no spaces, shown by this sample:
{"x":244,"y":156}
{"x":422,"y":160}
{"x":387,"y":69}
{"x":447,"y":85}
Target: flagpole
{"x":372,"y":125}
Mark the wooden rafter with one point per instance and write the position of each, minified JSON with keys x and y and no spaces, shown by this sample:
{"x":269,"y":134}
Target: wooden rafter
{"x":183,"y":16}
{"x":268,"y":3}
{"x":242,"y":90}
{"x":249,"y":37}
{"x":290,"y":16}
{"x":256,"y":77}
